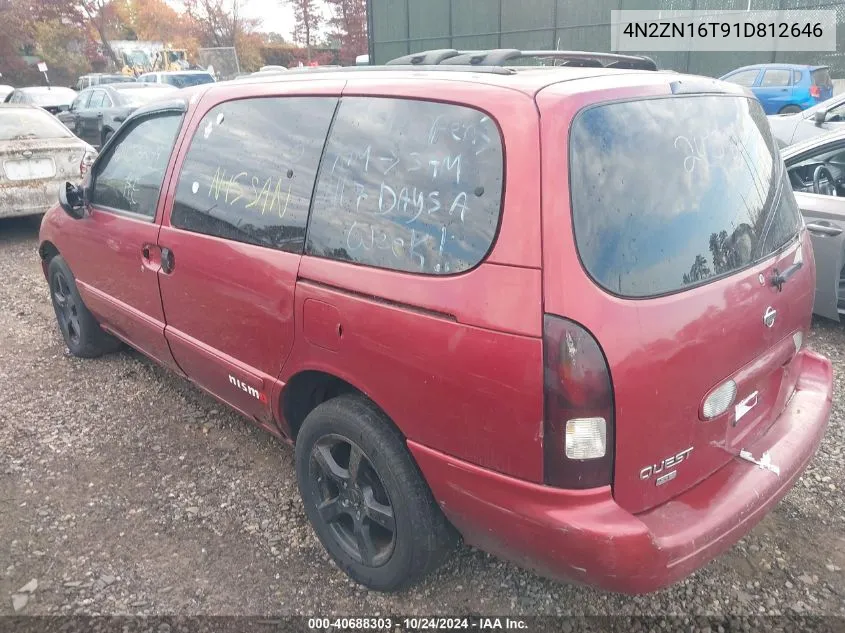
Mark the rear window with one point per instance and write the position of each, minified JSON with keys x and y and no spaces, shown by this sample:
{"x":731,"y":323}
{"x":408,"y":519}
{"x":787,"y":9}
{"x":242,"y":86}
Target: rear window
{"x":191,"y":79}
{"x":406,"y":185}
{"x":821,"y":77}
{"x":671,"y":193}
{"x":54,"y":96}
{"x":21,"y":124}
{"x":140,"y":97}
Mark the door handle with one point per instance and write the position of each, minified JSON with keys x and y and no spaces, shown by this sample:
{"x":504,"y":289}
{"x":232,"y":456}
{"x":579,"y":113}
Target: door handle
{"x":168,"y":261}
{"x":824,"y":229}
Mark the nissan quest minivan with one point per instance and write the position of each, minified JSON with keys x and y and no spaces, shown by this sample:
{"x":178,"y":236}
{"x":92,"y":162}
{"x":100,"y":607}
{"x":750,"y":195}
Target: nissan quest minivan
{"x":558,"y":312}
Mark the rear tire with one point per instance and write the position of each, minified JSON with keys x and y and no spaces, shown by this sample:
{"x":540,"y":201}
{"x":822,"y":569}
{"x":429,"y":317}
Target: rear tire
{"x":790,"y":109}
{"x":377,"y":519}
{"x":82,"y":334}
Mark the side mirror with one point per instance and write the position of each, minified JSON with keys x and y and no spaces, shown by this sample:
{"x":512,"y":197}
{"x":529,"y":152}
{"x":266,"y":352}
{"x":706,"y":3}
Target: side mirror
{"x":820,"y":117}
{"x":120,"y":118}
{"x":72,"y":200}
{"x":64,"y":108}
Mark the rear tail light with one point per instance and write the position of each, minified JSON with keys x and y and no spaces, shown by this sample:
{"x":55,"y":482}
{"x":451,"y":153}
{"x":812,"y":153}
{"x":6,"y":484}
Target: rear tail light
{"x":579,"y":414}
{"x":815,"y":92}
{"x":87,"y":160}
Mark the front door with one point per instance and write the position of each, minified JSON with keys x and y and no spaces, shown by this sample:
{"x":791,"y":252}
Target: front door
{"x":775,"y":90}
{"x":818,"y":177}
{"x":88,"y":123}
{"x":233,"y":239}
{"x":825,"y":218}
{"x":71,"y":116}
{"x":115,"y":257}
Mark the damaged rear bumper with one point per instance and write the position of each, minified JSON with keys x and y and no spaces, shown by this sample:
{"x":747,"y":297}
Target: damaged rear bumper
{"x":584,"y":536}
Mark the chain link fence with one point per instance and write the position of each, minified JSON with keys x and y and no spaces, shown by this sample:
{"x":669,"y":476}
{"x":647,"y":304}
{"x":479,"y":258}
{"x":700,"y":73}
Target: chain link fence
{"x":400,"y":27}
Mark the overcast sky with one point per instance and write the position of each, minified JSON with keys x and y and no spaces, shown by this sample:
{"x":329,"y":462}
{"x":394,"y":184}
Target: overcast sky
{"x":275,"y":17}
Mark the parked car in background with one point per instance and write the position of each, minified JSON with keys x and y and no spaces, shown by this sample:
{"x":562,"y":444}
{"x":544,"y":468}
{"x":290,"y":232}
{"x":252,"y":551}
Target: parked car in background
{"x":97,"y":112}
{"x":5,"y":90}
{"x":54,"y":99}
{"x":97,"y":79}
{"x":179,"y":79}
{"x":37,"y":155}
{"x":828,"y":116}
{"x":459,"y":337}
{"x":784,"y":88}
{"x":816,"y":170}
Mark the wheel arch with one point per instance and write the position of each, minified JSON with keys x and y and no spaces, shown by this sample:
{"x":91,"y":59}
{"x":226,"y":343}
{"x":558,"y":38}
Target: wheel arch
{"x":309,"y":388}
{"x":47,"y":251}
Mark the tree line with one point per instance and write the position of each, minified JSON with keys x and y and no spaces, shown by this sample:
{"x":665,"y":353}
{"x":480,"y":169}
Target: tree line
{"x":73,"y":36}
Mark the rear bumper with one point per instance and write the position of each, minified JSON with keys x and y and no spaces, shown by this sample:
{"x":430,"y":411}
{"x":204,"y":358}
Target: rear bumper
{"x":22,"y":198}
{"x":585,"y":537}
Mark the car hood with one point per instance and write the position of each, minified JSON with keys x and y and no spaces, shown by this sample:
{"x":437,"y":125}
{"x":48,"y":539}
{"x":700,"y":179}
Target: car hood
{"x":783,"y":127}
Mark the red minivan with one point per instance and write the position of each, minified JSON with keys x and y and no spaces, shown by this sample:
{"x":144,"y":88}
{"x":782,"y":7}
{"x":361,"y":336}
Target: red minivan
{"x":559,"y":312}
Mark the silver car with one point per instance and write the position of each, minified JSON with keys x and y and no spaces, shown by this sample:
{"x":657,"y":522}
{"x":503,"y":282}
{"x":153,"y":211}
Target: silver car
{"x":827,"y":116}
{"x":816,"y":170}
{"x":37,"y":155}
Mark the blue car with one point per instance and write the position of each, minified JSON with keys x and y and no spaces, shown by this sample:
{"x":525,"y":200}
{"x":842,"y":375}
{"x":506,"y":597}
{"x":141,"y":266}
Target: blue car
{"x":784,"y":88}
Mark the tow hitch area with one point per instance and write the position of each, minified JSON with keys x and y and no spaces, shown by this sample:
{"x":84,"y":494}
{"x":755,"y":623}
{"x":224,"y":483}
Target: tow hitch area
{"x":765,"y":462}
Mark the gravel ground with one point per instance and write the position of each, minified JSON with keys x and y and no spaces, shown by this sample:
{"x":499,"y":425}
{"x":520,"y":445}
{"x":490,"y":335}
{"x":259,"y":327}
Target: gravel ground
{"x":124,"y":490}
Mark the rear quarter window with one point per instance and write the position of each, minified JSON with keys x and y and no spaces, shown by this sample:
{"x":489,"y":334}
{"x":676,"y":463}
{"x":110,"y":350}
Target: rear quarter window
{"x":670,"y":193}
{"x":408,"y":185}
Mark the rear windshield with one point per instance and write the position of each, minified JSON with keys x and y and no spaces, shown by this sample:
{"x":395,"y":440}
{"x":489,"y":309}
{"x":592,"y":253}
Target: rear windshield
{"x":183,"y":81}
{"x":54,"y":96}
{"x":821,"y":77}
{"x":673,"y":192}
{"x":141,"y":97}
{"x":17,"y":124}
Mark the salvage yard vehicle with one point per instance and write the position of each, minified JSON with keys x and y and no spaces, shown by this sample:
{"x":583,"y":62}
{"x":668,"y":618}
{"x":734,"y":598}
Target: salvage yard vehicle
{"x":97,"y":112}
{"x":37,"y":155}
{"x":826,"y":117}
{"x":785,"y":88}
{"x":462,"y":340}
{"x":100,"y":79}
{"x":817,"y":173}
{"x":54,"y":99}
{"x":179,"y":79}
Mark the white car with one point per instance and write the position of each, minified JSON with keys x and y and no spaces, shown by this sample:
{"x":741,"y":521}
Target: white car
{"x":37,"y":156}
{"x":178,"y":78}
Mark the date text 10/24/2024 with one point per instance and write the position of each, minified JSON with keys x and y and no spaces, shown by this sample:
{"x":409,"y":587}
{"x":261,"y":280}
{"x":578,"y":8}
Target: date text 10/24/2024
{"x":418,"y":623}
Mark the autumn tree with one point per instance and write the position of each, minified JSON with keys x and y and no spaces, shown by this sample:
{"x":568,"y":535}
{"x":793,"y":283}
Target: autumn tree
{"x":308,"y":18}
{"x":101,"y":14}
{"x":349,"y":26}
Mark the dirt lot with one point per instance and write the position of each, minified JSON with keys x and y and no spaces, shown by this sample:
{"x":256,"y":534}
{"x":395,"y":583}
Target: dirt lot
{"x":124,"y":490}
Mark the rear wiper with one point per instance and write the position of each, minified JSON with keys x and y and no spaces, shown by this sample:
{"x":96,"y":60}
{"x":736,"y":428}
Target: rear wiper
{"x":778,"y":278}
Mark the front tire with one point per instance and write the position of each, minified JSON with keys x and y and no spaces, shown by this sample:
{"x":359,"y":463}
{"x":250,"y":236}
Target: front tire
{"x":80,"y":330}
{"x":790,"y":109}
{"x":365,"y":497}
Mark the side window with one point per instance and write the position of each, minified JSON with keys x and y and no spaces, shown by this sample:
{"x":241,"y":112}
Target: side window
{"x":744,"y":78}
{"x":797,"y":76}
{"x":96,"y":99}
{"x":81,"y":102}
{"x":408,"y":185}
{"x":129,"y":177}
{"x":776,"y":78}
{"x":107,"y":102}
{"x":249,"y":173}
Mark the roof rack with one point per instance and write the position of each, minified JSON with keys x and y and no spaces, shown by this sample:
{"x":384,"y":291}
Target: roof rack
{"x":502,"y":57}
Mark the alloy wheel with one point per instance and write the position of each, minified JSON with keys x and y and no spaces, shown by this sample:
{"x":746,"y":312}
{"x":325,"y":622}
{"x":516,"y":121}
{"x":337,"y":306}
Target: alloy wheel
{"x":351,"y":499}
